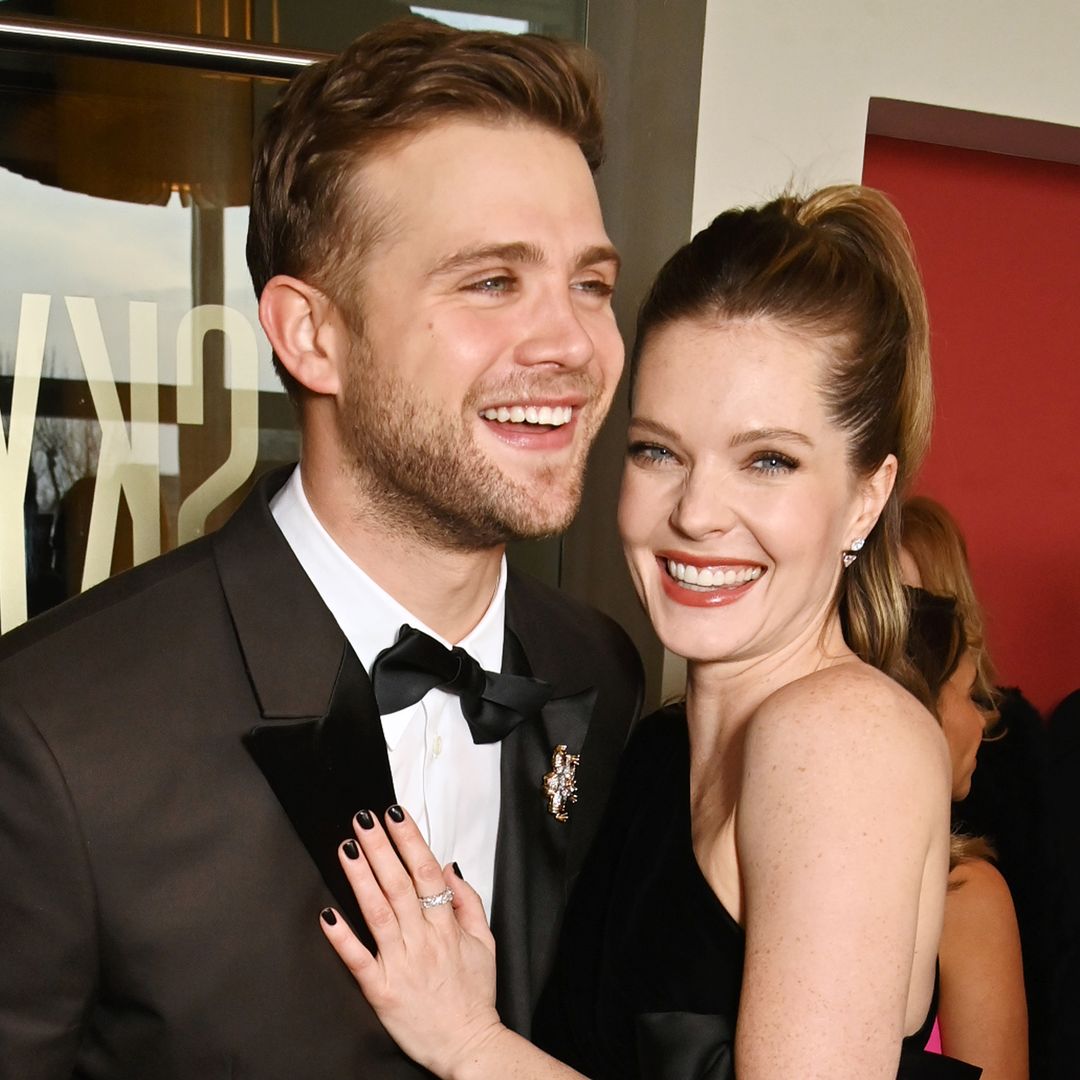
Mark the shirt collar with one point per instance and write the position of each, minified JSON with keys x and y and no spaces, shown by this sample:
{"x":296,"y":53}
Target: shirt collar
{"x":369,"y":616}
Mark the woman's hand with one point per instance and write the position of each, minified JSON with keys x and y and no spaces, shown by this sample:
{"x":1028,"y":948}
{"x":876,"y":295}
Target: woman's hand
{"x":432,"y":983}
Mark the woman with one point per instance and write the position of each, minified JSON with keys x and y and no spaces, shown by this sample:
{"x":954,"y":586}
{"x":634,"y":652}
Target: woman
{"x":779,"y":849}
{"x":982,"y":1007}
{"x":934,"y":557}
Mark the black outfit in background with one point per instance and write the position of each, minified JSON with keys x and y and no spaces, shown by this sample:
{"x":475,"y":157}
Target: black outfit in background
{"x":181,"y":751}
{"x":649,"y":968}
{"x":1006,"y":805}
{"x":1063,"y":904}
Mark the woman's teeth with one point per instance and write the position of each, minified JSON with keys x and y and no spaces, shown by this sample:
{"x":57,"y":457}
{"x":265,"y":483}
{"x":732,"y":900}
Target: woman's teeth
{"x":551,"y":415}
{"x":710,"y":577}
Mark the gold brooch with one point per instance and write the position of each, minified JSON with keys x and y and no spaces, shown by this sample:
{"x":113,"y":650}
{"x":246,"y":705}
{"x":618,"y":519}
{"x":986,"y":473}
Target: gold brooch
{"x":560,"y":785}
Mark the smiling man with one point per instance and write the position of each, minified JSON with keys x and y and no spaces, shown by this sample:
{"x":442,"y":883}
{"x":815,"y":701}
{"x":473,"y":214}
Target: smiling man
{"x":182,"y":749}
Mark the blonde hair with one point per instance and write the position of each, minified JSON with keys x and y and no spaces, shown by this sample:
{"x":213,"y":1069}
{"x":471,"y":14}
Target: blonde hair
{"x":931,"y":536}
{"x":838,"y":264}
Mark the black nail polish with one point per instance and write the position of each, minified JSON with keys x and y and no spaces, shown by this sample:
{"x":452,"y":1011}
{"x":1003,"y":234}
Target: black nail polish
{"x":327,"y":915}
{"x":457,"y":870}
{"x":352,"y":851}
{"x":364,"y":819}
{"x":395,"y":813}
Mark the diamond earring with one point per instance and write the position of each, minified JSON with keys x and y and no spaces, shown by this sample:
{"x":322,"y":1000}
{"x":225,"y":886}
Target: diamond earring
{"x":852,"y":552}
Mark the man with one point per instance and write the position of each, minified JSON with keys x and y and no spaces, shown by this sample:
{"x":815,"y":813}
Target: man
{"x":182,"y":749}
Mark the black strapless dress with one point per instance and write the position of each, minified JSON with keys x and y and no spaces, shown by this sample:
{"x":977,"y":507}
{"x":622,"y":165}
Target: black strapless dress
{"x":648,"y":972}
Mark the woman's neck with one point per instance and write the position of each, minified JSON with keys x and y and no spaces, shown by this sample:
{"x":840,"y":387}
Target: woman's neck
{"x":722,"y":695}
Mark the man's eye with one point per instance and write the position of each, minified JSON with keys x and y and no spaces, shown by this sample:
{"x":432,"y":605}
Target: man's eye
{"x":497,"y":283}
{"x":595,"y":287}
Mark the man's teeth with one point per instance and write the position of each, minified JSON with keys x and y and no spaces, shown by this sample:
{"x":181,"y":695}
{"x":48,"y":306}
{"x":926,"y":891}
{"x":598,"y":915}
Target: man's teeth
{"x":709,"y":577}
{"x":550,"y":415}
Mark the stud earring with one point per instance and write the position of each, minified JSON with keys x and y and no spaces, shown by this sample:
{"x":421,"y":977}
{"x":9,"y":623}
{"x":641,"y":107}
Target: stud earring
{"x":852,"y":552}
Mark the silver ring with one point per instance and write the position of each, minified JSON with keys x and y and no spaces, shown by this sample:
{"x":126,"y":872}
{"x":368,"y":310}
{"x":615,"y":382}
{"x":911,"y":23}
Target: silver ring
{"x":445,"y":897}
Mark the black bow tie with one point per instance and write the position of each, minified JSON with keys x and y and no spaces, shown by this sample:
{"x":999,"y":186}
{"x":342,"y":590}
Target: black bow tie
{"x":492,"y":704}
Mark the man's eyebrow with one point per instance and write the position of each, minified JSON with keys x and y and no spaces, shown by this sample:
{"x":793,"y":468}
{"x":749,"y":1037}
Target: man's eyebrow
{"x":765,"y":434}
{"x":521,"y":253}
{"x":517,"y":252}
{"x":598,"y":253}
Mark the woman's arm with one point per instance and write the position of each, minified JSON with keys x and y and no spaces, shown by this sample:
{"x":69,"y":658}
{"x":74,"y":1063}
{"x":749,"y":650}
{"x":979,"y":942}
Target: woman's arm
{"x":433,"y":982}
{"x":842,"y":838}
{"x":982,"y":1009}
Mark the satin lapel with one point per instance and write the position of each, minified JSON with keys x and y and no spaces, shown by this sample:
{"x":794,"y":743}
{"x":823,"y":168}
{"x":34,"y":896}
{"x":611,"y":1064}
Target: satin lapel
{"x":320,"y":745}
{"x":322,"y":771}
{"x":531,"y":855}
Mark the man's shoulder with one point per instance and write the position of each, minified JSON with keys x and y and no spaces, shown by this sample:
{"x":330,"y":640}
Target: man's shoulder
{"x":119,"y":604}
{"x":530,"y":600}
{"x":562,"y":634}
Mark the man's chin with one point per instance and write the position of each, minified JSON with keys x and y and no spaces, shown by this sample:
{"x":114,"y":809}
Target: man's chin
{"x":540,"y":510}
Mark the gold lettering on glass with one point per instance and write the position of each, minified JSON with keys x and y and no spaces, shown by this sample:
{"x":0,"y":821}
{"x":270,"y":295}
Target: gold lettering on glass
{"x":244,"y":406}
{"x":15,"y":450}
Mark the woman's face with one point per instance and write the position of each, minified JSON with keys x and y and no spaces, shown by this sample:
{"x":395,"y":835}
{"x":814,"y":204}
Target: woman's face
{"x":963,"y":723}
{"x":737,"y":499}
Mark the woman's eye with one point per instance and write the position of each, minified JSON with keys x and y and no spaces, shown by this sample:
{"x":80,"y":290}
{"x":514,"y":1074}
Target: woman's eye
{"x":771,"y":463}
{"x":649,"y":453}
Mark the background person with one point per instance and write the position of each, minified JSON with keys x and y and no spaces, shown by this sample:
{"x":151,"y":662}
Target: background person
{"x":1006,"y":802}
{"x":982,"y":1008}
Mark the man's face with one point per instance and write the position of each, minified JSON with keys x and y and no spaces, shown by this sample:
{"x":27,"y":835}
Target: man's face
{"x":488,"y":353}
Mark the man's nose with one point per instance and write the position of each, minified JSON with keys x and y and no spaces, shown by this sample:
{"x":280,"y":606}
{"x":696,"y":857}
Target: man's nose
{"x":556,"y":332}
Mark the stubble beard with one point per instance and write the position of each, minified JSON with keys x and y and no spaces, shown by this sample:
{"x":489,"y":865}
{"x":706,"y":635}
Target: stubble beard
{"x":420,"y":470}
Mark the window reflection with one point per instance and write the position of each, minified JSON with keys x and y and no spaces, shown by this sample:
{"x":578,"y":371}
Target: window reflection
{"x":138,"y":395}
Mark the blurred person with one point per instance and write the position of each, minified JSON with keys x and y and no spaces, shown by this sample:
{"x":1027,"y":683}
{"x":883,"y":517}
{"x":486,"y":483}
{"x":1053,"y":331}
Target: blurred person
{"x":1006,"y":800}
{"x":982,"y":1009}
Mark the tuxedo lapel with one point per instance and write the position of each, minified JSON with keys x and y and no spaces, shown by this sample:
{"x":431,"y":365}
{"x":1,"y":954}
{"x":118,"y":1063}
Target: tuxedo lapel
{"x":531,"y":854}
{"x":324,"y":770}
{"x":596,"y":680}
{"x":320,"y":745}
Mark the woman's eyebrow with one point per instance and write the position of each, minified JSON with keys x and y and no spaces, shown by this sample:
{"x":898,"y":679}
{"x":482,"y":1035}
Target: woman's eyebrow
{"x":765,"y":434}
{"x":654,"y":426}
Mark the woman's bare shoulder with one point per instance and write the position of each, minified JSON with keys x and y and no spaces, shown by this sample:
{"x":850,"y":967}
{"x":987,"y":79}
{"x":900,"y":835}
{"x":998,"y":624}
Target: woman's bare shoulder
{"x":848,"y":706}
{"x":977,"y":890}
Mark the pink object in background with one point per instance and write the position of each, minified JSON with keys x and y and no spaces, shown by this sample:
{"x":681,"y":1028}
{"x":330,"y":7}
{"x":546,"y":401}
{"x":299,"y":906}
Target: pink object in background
{"x":933,"y":1044}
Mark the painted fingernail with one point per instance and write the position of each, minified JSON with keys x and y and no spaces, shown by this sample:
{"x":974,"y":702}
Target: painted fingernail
{"x":352,"y":851}
{"x":395,"y":813}
{"x":457,"y":870}
{"x":364,"y":819}
{"x":327,"y":915}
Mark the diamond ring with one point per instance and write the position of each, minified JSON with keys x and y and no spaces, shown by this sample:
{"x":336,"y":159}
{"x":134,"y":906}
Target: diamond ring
{"x":445,"y":897}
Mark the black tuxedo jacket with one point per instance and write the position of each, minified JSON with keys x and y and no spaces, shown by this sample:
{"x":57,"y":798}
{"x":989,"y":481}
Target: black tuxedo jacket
{"x":181,"y":750}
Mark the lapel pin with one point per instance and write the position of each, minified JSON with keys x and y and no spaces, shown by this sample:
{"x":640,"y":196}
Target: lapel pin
{"x":560,"y":785}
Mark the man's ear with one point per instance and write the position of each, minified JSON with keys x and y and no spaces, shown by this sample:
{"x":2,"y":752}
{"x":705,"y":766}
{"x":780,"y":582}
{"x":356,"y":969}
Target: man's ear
{"x":874,"y":492}
{"x":302,"y":326}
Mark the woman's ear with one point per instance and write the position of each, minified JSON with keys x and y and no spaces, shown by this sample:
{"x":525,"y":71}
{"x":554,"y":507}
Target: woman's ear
{"x":874,"y":494}
{"x":299,"y":321}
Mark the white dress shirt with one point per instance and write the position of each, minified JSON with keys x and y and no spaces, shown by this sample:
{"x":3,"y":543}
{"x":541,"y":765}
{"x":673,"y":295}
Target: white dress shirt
{"x":448,"y":783}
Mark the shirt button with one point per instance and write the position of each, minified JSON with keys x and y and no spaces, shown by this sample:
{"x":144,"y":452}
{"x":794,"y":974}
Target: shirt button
{"x":436,"y":746}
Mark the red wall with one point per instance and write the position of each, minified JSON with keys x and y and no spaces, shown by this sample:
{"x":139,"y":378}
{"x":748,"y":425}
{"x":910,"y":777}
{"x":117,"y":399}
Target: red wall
{"x":998,"y":239}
